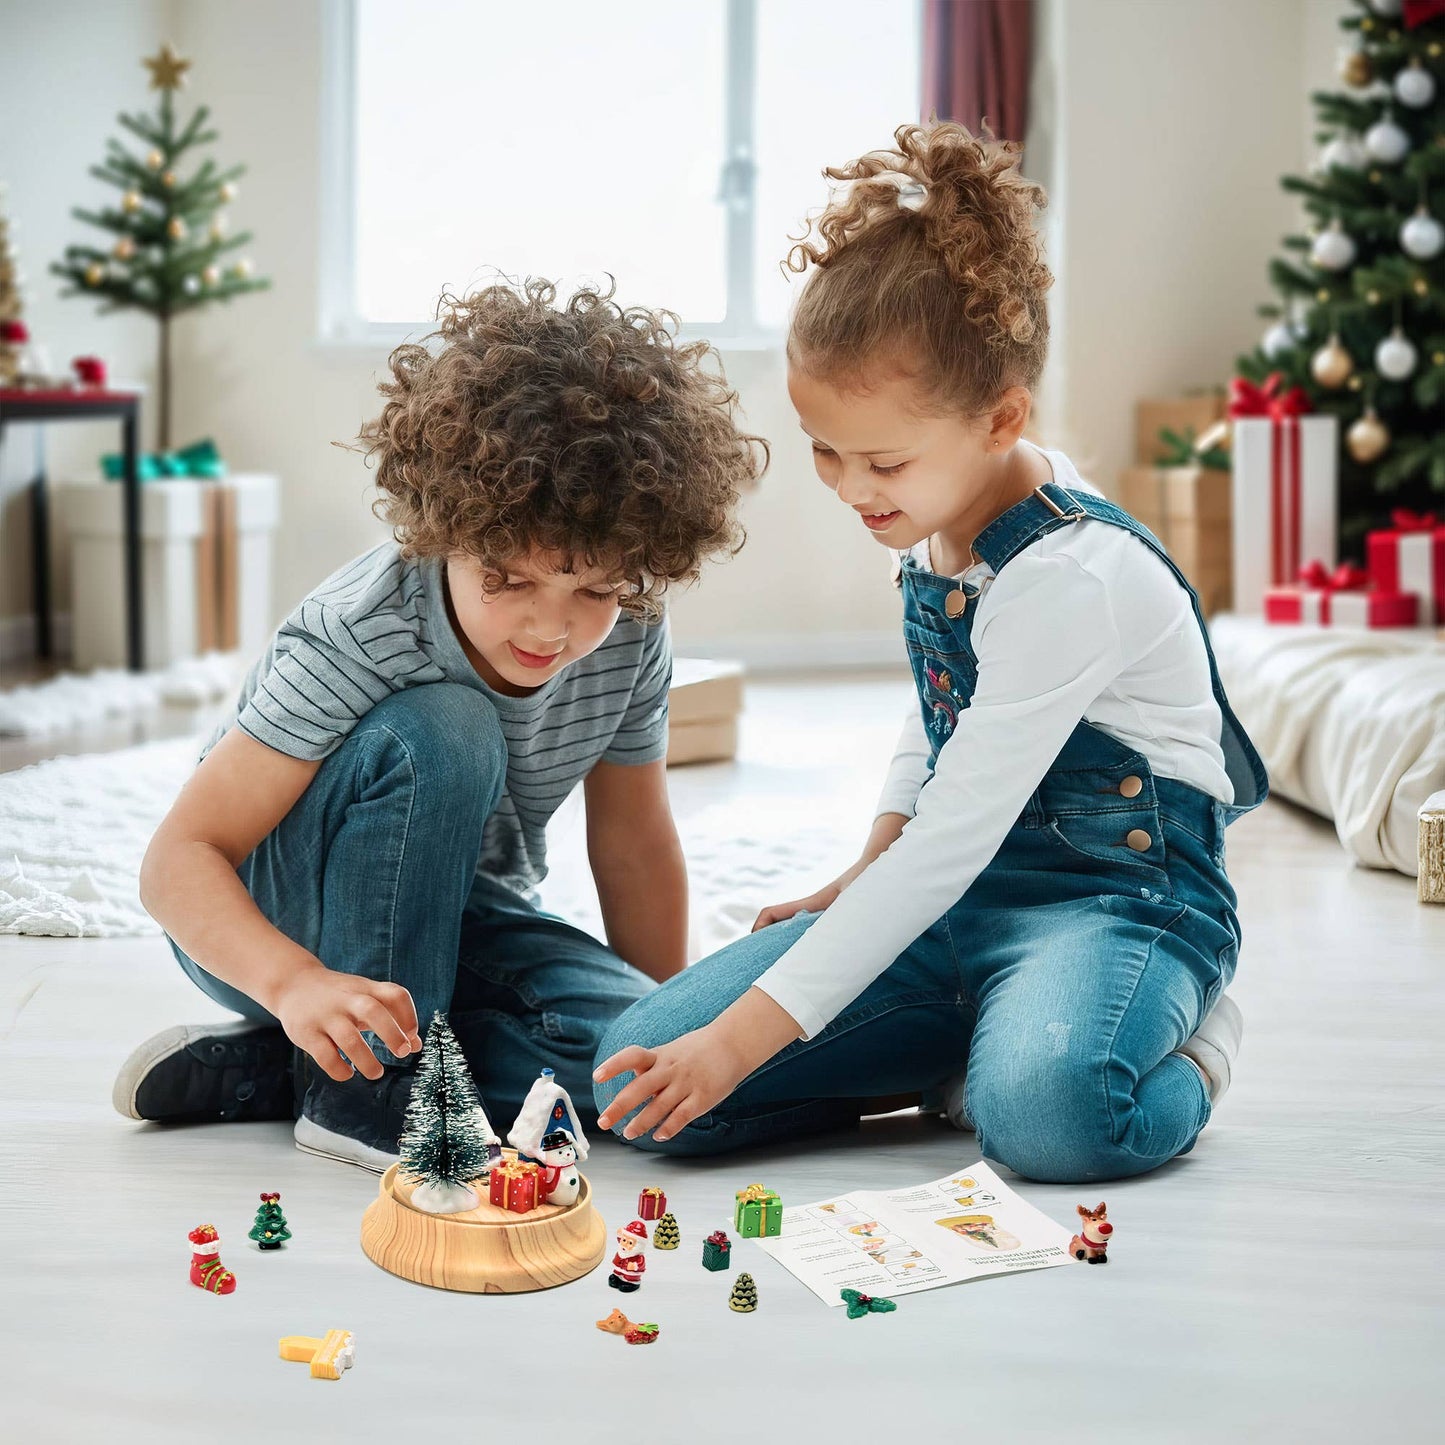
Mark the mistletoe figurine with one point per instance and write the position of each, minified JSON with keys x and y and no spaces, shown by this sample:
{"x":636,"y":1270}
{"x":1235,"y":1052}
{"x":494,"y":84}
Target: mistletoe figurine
{"x":862,"y":1304}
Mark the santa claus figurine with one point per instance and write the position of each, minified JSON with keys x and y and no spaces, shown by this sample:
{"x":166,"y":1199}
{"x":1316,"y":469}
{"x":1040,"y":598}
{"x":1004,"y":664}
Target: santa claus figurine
{"x":207,"y":1271}
{"x":560,"y":1179}
{"x":628,"y":1263}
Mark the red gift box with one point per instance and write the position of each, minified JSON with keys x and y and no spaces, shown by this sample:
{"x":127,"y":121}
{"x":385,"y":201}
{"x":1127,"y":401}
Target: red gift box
{"x":1326,"y":608}
{"x":1410,"y":557}
{"x":651,"y":1203}
{"x":516,"y":1185}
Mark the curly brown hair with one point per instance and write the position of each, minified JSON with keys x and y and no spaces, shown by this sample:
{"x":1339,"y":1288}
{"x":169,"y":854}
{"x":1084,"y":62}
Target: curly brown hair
{"x":585,"y":430}
{"x":951,"y":293}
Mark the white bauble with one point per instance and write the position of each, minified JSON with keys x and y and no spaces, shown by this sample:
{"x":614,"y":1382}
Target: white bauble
{"x":1414,"y":86}
{"x":1395,"y":358}
{"x":1333,"y":249}
{"x":1346,"y":153}
{"x":1278,"y":340}
{"x":1387,"y":142}
{"x":444,"y":1198}
{"x":191,"y":285}
{"x":1422,"y":236}
{"x":1387,"y":8}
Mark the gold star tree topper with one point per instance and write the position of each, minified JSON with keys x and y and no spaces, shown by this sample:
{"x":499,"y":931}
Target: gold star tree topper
{"x":168,"y":70}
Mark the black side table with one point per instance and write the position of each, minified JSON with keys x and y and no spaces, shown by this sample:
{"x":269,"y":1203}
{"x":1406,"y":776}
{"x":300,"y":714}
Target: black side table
{"x":83,"y":404}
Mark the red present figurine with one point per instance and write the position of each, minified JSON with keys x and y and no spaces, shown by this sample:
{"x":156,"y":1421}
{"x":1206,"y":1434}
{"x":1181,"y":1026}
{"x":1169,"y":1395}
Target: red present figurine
{"x":651,"y":1203}
{"x":89,"y":370}
{"x":516,"y":1185}
{"x":1091,"y":1242}
{"x":1410,"y":557}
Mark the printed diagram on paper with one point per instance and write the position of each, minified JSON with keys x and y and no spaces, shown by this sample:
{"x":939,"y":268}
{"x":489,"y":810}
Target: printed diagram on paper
{"x":899,"y":1241}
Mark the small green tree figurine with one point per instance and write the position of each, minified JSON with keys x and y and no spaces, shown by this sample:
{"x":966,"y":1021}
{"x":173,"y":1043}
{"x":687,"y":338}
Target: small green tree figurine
{"x":448,"y":1140}
{"x":169,"y":235}
{"x":269,"y":1231}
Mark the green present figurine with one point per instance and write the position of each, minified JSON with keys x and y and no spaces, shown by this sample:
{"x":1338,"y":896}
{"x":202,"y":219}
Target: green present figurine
{"x":716,"y":1250}
{"x":759,"y":1212}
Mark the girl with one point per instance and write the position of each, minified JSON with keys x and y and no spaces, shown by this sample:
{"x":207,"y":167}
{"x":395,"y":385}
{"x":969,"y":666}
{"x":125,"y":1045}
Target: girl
{"x":1042,"y":897}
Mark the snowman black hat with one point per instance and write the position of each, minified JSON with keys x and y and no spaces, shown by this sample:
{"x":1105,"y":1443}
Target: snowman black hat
{"x":558,"y":1139}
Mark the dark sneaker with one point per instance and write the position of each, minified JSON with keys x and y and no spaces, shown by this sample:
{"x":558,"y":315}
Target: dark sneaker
{"x":358,"y":1122}
{"x":208,"y":1073}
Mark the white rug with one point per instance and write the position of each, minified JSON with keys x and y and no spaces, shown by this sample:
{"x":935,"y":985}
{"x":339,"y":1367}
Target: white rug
{"x":73,"y":832}
{"x":75,"y":700}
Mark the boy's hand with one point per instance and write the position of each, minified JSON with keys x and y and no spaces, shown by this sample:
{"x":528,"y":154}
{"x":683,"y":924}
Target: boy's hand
{"x":683,"y":1079}
{"x":324,"y":1013}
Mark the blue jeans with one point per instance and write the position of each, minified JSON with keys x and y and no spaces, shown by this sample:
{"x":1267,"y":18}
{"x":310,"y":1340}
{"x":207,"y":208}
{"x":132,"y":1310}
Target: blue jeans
{"x":374,"y":871}
{"x":1064,"y":980}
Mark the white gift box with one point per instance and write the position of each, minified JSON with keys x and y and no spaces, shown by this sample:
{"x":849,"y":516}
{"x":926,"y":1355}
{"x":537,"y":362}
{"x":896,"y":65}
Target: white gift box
{"x":1285,"y":502}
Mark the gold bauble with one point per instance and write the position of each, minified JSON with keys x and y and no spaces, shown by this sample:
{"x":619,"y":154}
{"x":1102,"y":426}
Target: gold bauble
{"x":1433,"y":50}
{"x":211,"y":275}
{"x":169,"y":179}
{"x":154,"y":160}
{"x":131,"y":201}
{"x":1437,"y":358}
{"x":1355,"y":382}
{"x":1357,"y":69}
{"x":1373,"y":297}
{"x":218,"y":229}
{"x":94,"y":274}
{"x":1367,"y":24}
{"x":1420,"y":286}
{"x":124,"y":249}
{"x":1368,"y":439}
{"x":1374,"y":178}
{"x":228,"y":192}
{"x":1331,"y":365}
{"x":1322,"y":295}
{"x":242,"y":268}
{"x":176,"y":229}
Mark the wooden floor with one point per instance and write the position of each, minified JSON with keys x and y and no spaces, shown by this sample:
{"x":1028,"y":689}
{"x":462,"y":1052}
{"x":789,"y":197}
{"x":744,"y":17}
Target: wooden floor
{"x":1283,"y":1282}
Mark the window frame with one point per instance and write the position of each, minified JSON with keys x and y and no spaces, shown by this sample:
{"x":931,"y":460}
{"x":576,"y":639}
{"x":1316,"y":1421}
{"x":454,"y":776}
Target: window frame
{"x":339,"y":322}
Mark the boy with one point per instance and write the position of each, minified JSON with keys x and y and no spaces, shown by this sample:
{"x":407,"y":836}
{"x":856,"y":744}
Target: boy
{"x":359,"y":845}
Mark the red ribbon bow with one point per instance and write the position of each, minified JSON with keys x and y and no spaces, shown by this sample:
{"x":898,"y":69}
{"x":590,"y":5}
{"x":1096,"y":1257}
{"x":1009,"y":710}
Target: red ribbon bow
{"x":1345,"y":578}
{"x":1404,"y":520}
{"x":1247,"y":399}
{"x":1417,"y":12}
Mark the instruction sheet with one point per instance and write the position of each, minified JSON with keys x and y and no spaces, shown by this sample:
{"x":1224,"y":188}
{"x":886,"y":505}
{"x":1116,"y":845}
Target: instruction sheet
{"x":899,"y":1241}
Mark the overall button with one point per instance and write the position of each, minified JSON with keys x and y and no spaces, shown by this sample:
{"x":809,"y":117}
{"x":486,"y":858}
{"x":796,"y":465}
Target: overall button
{"x":1131,"y":787}
{"x":1139,"y":840}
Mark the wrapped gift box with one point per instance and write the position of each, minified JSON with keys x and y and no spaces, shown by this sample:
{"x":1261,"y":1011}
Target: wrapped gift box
{"x":1188,"y":509}
{"x":651,"y":1203}
{"x":717,"y":1251}
{"x":1182,"y":414}
{"x":759,"y":1212}
{"x":1285,"y":501}
{"x":1324,"y":607}
{"x":702,"y":710}
{"x":516,"y":1185}
{"x":1410,"y":557}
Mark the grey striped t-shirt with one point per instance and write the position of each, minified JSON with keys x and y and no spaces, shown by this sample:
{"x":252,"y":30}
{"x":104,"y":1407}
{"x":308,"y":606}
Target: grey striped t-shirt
{"x":380,"y":625}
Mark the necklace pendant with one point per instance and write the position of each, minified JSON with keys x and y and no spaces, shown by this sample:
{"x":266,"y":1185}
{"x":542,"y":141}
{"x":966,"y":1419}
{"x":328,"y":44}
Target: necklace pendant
{"x":955,"y":604}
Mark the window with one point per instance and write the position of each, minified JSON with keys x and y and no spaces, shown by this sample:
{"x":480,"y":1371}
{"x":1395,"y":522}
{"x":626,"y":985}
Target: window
{"x":673,"y":145}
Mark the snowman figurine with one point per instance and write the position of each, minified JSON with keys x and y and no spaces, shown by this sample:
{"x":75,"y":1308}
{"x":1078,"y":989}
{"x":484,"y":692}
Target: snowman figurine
{"x":560,"y":1179}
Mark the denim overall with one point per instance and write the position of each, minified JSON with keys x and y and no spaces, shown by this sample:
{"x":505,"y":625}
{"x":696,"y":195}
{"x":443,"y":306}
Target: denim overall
{"x":1067,"y":976}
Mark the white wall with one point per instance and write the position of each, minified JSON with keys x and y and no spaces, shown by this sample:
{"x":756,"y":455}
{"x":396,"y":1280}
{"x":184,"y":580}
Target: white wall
{"x":1161,"y":129}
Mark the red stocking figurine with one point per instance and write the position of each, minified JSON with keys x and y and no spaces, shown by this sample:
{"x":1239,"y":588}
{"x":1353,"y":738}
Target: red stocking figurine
{"x":207,"y":1272}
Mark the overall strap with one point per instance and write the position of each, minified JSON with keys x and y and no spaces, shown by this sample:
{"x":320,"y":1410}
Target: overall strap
{"x":1051,"y":507}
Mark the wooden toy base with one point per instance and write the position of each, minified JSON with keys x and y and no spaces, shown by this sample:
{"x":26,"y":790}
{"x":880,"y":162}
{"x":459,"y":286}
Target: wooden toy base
{"x":485,"y":1250}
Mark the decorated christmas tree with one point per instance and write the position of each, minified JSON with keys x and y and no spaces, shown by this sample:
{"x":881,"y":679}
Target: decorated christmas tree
{"x":744,"y":1298}
{"x":13,"y":334}
{"x":168,"y":247}
{"x":1361,"y":324}
{"x":666,"y":1235}
{"x":270,"y":1230}
{"x":447,"y":1141}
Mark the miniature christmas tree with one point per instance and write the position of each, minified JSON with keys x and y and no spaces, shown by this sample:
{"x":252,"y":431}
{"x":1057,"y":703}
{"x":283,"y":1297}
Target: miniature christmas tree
{"x":666,"y":1235}
{"x":744,"y":1298}
{"x":13,"y":332}
{"x":269,"y":1231}
{"x":1362,"y":325}
{"x":447,"y":1141}
{"x":170,"y":243}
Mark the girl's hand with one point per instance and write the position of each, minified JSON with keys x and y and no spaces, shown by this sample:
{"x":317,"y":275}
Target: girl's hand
{"x":683,"y":1079}
{"x":813,"y":903}
{"x":884,"y":833}
{"x":324,"y":1013}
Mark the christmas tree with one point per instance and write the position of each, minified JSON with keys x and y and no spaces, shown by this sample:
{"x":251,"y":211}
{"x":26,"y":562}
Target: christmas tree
{"x":744,"y":1298}
{"x":170,"y":240}
{"x":1362,"y":324}
{"x":666,"y":1235}
{"x":445,"y":1143}
{"x":269,"y":1231}
{"x":13,"y":334}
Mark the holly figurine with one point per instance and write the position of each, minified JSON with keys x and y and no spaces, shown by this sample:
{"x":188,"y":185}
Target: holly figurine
{"x":269,"y":1231}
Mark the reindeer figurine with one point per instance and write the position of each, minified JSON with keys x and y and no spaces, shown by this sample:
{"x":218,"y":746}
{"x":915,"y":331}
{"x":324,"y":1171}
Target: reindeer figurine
{"x":1091,"y":1242}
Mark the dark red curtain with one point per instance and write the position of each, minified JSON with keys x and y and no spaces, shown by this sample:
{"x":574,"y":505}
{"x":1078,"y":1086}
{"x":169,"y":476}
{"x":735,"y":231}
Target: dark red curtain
{"x":976,"y":58}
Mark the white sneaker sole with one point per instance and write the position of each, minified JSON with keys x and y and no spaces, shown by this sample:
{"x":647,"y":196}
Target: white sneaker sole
{"x":161,"y":1046}
{"x":311,"y":1138}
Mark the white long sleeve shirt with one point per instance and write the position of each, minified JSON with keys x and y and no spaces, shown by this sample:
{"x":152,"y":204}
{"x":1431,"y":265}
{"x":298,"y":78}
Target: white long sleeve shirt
{"x":1087,"y":622}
